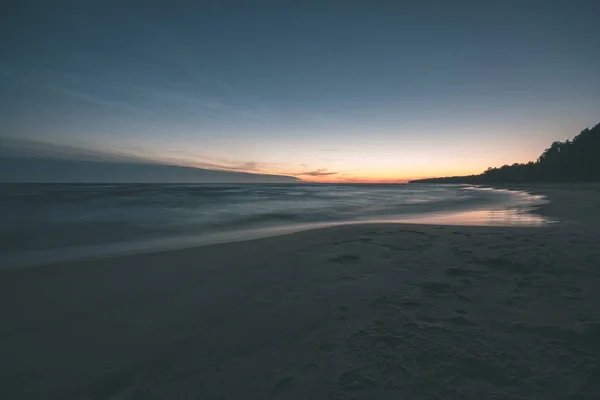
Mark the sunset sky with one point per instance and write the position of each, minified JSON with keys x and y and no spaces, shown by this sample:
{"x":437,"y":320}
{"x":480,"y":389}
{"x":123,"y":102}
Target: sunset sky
{"x":350,"y":91}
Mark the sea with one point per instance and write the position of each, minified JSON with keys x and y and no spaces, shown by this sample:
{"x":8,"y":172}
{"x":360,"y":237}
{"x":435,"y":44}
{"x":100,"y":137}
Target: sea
{"x":49,"y":223}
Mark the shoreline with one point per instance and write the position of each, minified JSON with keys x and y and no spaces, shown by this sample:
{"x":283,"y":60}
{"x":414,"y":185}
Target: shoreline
{"x":490,"y":215}
{"x":364,"y":311}
{"x":577,"y":203}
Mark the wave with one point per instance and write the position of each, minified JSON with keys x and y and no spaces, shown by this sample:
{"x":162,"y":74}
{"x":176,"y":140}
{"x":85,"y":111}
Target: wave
{"x":53,"y":217}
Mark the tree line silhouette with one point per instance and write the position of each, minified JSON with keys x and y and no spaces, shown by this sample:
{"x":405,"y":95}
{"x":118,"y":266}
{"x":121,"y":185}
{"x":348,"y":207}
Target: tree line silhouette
{"x":576,"y":160}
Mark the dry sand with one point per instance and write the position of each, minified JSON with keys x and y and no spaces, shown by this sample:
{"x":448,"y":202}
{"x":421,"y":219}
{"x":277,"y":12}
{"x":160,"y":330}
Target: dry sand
{"x":351,"y":312}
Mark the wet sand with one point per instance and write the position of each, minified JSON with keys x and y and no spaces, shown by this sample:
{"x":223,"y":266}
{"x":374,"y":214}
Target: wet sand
{"x":379,"y":311}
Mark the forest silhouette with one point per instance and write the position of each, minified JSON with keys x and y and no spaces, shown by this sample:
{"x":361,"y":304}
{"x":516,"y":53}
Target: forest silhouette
{"x":576,"y":160}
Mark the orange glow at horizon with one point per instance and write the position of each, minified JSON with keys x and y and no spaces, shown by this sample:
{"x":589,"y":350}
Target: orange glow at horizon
{"x":392,"y":175}
{"x":357,"y":161}
{"x":382,"y":177}
{"x":345,"y":169}
{"x":358,"y":179}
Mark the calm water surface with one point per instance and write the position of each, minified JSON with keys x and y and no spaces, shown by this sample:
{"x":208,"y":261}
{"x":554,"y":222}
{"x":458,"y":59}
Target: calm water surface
{"x":53,"y":222}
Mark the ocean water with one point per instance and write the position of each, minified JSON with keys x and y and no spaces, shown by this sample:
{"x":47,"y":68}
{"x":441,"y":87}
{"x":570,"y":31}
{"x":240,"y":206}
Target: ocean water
{"x":53,"y":222}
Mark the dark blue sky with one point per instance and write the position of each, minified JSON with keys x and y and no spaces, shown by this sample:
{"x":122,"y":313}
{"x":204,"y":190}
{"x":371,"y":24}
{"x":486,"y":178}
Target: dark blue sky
{"x":337,"y":90}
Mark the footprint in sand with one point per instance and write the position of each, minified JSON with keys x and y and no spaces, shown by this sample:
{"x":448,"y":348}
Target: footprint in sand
{"x":461,"y":320}
{"x":340,"y":313}
{"x":436,"y":287}
{"x":282,"y":388}
{"x":327,"y":348}
{"x":419,"y":316}
{"x":571,"y":292}
{"x":116,"y":386}
{"x":506,"y":264}
{"x":525,"y":282}
{"x":346,"y":279}
{"x":467,"y":282}
{"x":589,"y":330}
{"x":310,"y":371}
{"x":409,"y":302}
{"x":345,"y":258}
{"x":355,"y":380}
{"x":455,"y":272}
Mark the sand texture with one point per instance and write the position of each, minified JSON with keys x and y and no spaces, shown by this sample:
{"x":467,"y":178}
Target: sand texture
{"x":351,"y":312}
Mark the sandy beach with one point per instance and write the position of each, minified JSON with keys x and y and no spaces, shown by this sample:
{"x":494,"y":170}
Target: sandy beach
{"x":388,"y":311}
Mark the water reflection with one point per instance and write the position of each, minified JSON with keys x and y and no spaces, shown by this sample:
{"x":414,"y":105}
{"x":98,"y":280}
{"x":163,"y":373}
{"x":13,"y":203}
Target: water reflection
{"x":498,"y":217}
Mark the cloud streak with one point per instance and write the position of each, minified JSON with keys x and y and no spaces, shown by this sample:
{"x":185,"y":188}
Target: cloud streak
{"x":31,"y":161}
{"x":318,"y":172}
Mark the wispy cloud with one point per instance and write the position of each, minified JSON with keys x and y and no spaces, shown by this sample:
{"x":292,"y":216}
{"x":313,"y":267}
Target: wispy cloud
{"x":249,"y":166}
{"x":74,"y":86}
{"x":197,"y":101}
{"x":217,"y":164}
{"x":318,"y":172}
{"x":199,"y":95}
{"x":114,"y":95}
{"x":93,"y":98}
{"x":246,"y":166}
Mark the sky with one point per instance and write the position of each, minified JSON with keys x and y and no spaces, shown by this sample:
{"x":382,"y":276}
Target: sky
{"x":329,"y":91}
